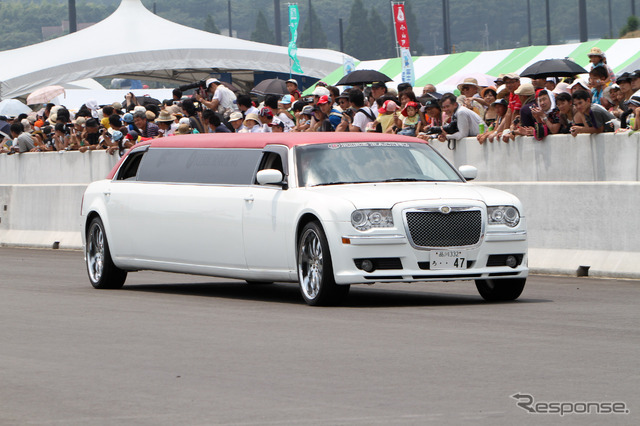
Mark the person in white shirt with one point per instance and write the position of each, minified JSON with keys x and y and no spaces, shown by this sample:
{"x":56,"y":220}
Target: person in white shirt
{"x":224,"y":100}
{"x":467,"y":121}
{"x":362,"y":116}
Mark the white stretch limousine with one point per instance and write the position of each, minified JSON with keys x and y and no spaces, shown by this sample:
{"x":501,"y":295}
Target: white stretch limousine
{"x":325,"y":210}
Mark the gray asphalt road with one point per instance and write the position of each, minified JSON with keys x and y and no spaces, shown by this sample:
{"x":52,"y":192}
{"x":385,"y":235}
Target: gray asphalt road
{"x":181,"y":350}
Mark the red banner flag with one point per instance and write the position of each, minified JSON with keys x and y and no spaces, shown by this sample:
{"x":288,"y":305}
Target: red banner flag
{"x":400,"y":22}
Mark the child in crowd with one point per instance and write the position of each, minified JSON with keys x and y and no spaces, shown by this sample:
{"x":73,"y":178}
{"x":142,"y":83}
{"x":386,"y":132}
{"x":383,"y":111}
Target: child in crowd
{"x":411,"y":120}
{"x":386,"y":116}
{"x":252,"y":124}
{"x":292,"y":87}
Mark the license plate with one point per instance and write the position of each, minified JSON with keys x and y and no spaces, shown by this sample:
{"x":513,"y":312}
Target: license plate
{"x":448,"y":259}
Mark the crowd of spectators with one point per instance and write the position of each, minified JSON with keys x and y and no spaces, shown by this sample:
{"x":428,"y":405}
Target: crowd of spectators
{"x":604,"y":103}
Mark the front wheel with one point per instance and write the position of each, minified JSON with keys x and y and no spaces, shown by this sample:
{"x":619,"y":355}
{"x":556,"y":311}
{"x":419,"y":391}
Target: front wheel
{"x":496,"y":290}
{"x":315,"y":269}
{"x":103,"y":274}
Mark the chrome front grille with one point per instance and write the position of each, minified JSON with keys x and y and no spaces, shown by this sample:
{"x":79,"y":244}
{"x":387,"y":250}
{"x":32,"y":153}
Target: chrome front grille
{"x":436,"y":229}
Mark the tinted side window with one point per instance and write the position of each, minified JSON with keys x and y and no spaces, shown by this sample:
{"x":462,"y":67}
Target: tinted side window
{"x":205,"y":165}
{"x":129,"y":167}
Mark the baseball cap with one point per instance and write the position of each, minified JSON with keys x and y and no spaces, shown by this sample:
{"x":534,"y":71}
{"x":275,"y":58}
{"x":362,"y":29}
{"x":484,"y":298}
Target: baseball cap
{"x":501,"y":101}
{"x":127,"y":118}
{"x":388,"y":106}
{"x":511,"y":76}
{"x":287,"y":99}
{"x":212,"y":80}
{"x":293,"y":80}
{"x":307,"y":110}
{"x":117,"y":135}
{"x":266,"y":112}
{"x":323,"y":100}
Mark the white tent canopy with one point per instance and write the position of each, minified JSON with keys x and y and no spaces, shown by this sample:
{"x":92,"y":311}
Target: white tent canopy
{"x":142,"y":45}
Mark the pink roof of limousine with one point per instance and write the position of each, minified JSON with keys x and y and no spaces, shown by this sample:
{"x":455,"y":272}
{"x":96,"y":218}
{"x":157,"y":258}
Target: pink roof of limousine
{"x":260,"y":140}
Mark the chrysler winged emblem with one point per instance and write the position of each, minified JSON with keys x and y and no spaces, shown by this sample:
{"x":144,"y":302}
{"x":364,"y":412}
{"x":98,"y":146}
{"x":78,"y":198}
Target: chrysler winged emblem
{"x":445,"y":209}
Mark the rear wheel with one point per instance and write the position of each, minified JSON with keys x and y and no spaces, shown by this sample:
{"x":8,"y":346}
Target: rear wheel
{"x":506,"y":289}
{"x":315,"y":269}
{"x":103,"y":274}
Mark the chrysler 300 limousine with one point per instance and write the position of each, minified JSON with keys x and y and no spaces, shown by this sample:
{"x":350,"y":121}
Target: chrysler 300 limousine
{"x":324,"y":210}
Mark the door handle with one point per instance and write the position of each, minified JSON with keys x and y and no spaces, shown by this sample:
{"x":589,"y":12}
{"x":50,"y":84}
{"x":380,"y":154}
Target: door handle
{"x":249,"y":199}
{"x":107,"y":194}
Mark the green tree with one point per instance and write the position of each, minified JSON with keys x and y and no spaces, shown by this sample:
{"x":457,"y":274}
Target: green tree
{"x":385,"y":47}
{"x":632,"y":25}
{"x":319,"y":37}
{"x":358,"y":39}
{"x":210,"y":25}
{"x":262,"y":32}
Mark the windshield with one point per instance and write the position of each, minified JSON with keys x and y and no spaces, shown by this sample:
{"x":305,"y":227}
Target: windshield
{"x":366,"y":162}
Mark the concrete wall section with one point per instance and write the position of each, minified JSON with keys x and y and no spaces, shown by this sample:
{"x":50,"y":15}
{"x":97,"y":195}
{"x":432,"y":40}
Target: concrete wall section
{"x":55,"y":167}
{"x":573,"y":224}
{"x":41,"y":215}
{"x":604,"y":157}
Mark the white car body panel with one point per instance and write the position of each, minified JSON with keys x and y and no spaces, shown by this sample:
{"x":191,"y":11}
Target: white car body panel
{"x":250,"y":231}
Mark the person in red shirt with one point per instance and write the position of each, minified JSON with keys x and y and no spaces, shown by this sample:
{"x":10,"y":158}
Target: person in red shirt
{"x":512,"y":81}
{"x":292,"y":87}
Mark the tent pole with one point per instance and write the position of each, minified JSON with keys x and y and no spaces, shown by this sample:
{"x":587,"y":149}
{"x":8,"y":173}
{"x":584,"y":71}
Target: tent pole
{"x":230,"y":32}
{"x":73,"y":23}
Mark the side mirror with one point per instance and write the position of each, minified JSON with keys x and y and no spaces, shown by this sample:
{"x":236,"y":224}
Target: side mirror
{"x":269,"y":177}
{"x":468,"y":172}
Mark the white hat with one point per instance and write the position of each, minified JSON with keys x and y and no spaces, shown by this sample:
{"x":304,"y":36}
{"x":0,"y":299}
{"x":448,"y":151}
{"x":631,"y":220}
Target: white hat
{"x":235,"y":116}
{"x":321,"y":91}
{"x":212,"y":80}
{"x":581,"y":82}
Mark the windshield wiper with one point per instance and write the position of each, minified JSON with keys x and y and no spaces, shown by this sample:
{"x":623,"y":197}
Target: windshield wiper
{"x":332,"y":183}
{"x":408,"y":180}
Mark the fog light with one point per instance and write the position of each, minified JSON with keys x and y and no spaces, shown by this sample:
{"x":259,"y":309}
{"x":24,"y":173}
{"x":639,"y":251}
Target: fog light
{"x":511,"y":261}
{"x":367,"y":265}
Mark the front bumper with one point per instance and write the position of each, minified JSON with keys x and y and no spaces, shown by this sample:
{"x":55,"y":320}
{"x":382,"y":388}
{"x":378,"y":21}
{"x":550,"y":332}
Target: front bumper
{"x":410,"y":264}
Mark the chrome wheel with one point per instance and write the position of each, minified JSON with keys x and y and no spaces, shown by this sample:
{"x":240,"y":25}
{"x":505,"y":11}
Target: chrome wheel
{"x":315,"y":269}
{"x":103,"y":273}
{"x":95,"y":252}
{"x":310,"y":264}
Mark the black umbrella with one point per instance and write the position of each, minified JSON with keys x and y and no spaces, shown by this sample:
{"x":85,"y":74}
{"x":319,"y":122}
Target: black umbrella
{"x":553,"y":68}
{"x":362,"y":77}
{"x":271,"y":86}
{"x":148,"y":100}
{"x":4,"y":130}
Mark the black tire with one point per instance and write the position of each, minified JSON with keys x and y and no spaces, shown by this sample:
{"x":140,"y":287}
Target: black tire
{"x":315,"y":269}
{"x":500,"y":290}
{"x":103,"y":274}
{"x":252,"y":282}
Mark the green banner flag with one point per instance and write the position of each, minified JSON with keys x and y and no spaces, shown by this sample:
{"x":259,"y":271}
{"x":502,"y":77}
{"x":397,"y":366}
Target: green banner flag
{"x":294,"y":20}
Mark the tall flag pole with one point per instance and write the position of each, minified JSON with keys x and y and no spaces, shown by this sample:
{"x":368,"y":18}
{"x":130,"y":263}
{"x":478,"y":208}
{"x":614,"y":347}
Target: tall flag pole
{"x":402,"y":42}
{"x":294,"y":20}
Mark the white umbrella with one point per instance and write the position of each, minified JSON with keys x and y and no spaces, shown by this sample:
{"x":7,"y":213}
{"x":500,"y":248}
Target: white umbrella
{"x":44,"y":95}
{"x":13,"y":108}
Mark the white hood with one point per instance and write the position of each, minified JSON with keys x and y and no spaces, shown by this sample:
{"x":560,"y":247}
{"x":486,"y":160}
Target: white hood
{"x":389,"y":194}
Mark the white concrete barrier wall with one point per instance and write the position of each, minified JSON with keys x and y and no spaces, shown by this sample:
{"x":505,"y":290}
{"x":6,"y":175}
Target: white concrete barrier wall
{"x":581,"y":197}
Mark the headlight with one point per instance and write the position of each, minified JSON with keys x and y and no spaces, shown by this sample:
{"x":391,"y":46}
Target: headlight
{"x":364,"y":220}
{"x":503,"y":215}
